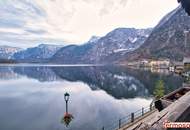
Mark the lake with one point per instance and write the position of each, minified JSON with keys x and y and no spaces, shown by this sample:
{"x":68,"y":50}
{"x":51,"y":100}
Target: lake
{"x":32,"y":98}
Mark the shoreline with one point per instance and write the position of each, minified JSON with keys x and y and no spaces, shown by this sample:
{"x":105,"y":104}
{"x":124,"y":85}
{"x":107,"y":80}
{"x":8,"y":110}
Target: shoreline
{"x":48,"y":65}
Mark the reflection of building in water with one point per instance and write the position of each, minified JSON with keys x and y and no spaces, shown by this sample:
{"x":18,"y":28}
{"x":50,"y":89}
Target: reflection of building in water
{"x":160,"y":71}
{"x":177,"y":67}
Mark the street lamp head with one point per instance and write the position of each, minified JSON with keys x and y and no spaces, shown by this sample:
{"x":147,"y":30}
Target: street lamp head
{"x":66,"y":96}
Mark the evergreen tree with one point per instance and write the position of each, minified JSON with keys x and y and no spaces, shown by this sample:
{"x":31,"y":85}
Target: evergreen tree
{"x":159,"y":89}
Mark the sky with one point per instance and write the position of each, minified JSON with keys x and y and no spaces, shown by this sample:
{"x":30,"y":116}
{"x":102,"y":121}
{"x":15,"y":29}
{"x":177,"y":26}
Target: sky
{"x":27,"y":23}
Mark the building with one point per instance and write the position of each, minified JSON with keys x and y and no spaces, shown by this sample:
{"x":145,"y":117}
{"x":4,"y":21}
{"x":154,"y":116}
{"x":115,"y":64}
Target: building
{"x":160,"y":63}
{"x":186,"y":61}
{"x":178,"y":67}
{"x":144,"y":63}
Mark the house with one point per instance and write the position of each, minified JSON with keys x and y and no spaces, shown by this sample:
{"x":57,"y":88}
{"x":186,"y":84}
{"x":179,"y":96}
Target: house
{"x":160,"y":63}
{"x":186,"y":61}
{"x":144,"y":63}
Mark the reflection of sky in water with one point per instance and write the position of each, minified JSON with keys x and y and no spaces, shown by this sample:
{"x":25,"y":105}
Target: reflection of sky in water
{"x":27,"y":104}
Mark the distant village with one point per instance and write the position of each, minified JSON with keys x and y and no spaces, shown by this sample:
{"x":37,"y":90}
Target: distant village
{"x":172,"y":66}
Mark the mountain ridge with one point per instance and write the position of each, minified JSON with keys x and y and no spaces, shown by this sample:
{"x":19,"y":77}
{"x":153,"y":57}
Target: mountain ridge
{"x":40,"y":53}
{"x":170,"y":39}
{"x":119,"y":40}
{"x":6,"y":52}
{"x":96,"y":50}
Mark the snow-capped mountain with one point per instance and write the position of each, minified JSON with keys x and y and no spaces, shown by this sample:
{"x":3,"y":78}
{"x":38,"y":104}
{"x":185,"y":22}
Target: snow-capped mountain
{"x":97,"y":50}
{"x":93,"y":39}
{"x":6,"y":52}
{"x":118,"y":41}
{"x":36,"y":54}
{"x":169,"y":39}
{"x":73,"y":54}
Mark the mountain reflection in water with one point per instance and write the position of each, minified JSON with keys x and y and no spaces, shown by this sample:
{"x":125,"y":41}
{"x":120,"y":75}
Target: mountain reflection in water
{"x":32,"y":98}
{"x":119,"y":82}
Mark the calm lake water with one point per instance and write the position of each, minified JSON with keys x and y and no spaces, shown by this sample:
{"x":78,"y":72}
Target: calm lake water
{"x":32,"y":98}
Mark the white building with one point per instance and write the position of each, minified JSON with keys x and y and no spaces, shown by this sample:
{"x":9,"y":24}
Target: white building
{"x":160,"y":63}
{"x":186,"y":61}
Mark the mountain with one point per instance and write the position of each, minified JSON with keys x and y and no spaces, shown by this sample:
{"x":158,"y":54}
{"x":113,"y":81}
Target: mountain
{"x":94,"y":39}
{"x":73,"y":54}
{"x":119,"y":41}
{"x":169,"y":39}
{"x":36,"y":54}
{"x":6,"y":52}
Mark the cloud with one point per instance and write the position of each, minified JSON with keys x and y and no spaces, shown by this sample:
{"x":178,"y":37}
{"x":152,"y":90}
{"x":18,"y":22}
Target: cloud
{"x":36,"y":31}
{"x":123,"y":2}
{"x":11,"y":23}
{"x":21,"y":8}
{"x":74,"y":21}
{"x":107,"y":7}
{"x":29,"y":42}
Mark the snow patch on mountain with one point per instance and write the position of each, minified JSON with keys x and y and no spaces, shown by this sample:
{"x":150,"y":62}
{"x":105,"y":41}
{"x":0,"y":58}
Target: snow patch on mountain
{"x":6,"y":52}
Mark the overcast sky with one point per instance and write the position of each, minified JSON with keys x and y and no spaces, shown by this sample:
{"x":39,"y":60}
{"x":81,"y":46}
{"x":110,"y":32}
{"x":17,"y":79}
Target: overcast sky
{"x":27,"y":23}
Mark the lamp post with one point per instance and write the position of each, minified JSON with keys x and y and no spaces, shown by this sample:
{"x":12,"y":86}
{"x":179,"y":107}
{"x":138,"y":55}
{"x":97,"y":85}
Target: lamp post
{"x":66,"y":96}
{"x":67,"y":117}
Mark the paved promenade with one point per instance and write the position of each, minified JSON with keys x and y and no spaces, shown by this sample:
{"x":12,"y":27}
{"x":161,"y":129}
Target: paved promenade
{"x":177,"y":111}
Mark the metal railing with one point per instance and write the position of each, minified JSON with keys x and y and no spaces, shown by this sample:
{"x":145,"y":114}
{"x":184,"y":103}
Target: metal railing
{"x":128,"y":119}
